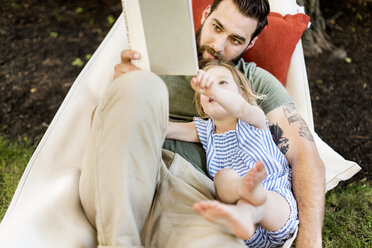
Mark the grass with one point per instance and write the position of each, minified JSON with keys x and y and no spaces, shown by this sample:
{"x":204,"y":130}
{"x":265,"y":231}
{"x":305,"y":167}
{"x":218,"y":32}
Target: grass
{"x":13,"y":160}
{"x":348,"y":219}
{"x":347,"y":223}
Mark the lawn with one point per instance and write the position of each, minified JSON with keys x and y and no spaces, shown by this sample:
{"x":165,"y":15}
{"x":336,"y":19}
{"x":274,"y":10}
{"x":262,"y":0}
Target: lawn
{"x":348,"y":218}
{"x":13,"y":161}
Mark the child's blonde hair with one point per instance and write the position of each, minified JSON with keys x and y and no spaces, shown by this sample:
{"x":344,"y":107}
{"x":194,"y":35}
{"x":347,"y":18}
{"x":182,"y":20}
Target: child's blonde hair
{"x":241,"y":81}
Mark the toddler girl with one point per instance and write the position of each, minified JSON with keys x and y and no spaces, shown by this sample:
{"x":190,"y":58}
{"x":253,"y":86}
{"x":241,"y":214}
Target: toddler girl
{"x":252,"y":177}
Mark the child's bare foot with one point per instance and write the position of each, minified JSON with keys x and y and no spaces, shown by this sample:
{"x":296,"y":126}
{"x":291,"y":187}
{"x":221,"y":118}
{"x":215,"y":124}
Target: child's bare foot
{"x":235,"y":217}
{"x":251,"y":189}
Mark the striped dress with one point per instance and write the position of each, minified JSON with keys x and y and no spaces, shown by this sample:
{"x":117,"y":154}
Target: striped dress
{"x":239,"y":150}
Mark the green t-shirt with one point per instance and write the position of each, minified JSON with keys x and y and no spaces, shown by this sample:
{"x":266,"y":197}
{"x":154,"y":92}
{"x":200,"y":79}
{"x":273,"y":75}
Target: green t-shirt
{"x":182,"y":107}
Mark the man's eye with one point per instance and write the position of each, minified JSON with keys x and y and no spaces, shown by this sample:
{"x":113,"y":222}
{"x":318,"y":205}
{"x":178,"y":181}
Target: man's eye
{"x":235,"y":41}
{"x":216,"y":28}
{"x":223,"y":82}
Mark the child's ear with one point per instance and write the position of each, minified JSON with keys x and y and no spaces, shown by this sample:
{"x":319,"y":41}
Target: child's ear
{"x":244,"y":95}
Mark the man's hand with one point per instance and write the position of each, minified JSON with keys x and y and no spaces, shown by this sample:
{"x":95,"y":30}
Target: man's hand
{"x":126,"y":63}
{"x":204,"y":83}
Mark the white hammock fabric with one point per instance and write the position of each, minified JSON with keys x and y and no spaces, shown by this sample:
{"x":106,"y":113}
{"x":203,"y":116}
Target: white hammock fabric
{"x":46,"y":210}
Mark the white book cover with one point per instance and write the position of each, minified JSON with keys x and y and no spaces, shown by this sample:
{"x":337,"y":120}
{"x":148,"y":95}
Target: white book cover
{"x":162,"y":31}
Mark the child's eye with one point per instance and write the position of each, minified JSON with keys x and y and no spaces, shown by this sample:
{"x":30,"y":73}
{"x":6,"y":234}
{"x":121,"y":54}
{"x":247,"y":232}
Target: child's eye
{"x":223,"y":82}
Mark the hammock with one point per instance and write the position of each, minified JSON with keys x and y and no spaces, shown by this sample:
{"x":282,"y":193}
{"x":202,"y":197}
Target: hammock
{"x":46,"y":211}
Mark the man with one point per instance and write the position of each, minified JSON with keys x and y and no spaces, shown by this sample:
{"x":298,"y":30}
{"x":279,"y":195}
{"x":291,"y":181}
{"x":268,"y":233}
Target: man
{"x":124,"y":163}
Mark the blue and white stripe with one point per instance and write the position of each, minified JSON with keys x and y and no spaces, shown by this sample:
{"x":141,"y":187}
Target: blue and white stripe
{"x":239,"y":150}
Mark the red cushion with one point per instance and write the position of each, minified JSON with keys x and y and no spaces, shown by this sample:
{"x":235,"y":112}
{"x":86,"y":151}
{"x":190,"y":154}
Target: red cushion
{"x":197,"y":8}
{"x":275,"y":45}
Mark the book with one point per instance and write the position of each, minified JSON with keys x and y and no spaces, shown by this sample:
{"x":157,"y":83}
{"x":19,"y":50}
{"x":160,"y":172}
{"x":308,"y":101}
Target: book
{"x":162,"y":31}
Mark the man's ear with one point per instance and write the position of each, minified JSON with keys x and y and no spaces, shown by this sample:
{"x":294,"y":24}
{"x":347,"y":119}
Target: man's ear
{"x":252,"y":43}
{"x":205,"y":13}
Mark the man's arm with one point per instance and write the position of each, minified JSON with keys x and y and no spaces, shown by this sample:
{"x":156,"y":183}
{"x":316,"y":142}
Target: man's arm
{"x":294,"y":139}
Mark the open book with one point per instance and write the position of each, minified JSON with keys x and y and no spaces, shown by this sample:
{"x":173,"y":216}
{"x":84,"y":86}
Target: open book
{"x":162,"y":31}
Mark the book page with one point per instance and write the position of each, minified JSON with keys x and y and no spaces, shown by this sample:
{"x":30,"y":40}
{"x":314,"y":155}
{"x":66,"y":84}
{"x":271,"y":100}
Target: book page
{"x":169,"y":35}
{"x":135,"y":32}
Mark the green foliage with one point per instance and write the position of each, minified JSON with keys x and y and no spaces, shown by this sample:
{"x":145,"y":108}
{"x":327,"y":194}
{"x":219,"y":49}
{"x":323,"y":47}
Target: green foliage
{"x":91,"y":22}
{"x":359,"y":16}
{"x":348,"y":218}
{"x":57,"y":15}
{"x":53,"y":34}
{"x":15,"y":6}
{"x":13,"y":160}
{"x":79,"y":10}
{"x":110,"y":19}
{"x":77,"y":62}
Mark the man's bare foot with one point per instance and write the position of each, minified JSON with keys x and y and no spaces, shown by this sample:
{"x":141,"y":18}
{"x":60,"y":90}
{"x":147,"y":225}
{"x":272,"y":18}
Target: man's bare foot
{"x":237,"y":218}
{"x":251,"y":189}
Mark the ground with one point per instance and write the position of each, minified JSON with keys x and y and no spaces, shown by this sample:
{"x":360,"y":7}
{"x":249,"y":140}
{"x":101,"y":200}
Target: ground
{"x":44,"y":45}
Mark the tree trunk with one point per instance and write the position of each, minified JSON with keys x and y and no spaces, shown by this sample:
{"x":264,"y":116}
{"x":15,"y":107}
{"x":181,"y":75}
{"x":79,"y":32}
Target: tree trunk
{"x":315,"y":40}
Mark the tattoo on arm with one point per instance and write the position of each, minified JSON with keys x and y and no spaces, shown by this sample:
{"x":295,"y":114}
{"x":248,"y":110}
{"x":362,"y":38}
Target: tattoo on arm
{"x":280,"y":141}
{"x":293,"y":117}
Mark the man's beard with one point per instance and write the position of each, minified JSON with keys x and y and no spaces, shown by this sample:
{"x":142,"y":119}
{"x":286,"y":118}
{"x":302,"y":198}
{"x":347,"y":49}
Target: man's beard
{"x":205,"y":48}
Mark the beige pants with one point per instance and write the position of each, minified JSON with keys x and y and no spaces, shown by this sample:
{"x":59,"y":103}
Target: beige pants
{"x":133,"y":193}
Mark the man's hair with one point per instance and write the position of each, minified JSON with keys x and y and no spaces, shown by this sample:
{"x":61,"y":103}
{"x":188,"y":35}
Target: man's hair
{"x":256,"y":9}
{"x":240,"y":79}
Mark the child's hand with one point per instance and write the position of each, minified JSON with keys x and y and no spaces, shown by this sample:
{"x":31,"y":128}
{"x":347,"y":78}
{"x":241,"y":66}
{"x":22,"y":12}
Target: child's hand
{"x":203,"y":82}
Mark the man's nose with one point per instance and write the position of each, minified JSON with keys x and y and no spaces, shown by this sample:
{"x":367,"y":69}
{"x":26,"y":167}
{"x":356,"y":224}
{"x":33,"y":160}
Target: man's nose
{"x":219,"y":44}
